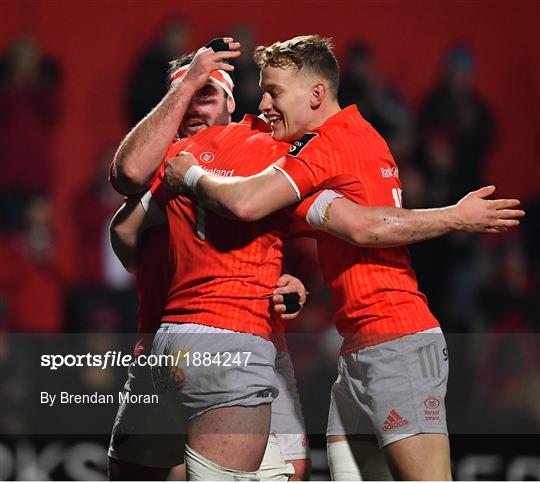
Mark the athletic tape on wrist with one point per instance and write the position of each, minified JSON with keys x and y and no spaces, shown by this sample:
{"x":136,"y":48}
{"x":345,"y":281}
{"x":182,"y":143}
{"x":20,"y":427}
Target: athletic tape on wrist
{"x":192,"y":177}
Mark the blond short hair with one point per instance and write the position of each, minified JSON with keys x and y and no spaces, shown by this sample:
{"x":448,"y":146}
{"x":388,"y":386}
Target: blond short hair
{"x":311,"y":53}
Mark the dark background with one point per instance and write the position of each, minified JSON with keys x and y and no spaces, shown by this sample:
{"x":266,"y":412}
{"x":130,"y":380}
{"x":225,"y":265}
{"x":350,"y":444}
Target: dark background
{"x":453,"y":86}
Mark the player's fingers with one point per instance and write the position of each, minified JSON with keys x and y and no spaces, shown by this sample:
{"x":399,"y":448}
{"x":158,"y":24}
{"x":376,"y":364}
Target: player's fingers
{"x":290,"y":286}
{"x":283,"y":281}
{"x":168,"y":166}
{"x":510,"y":214}
{"x":506,"y":223}
{"x":291,"y":298}
{"x":502,"y":204}
{"x":292,"y":308}
{"x":233,"y":46}
{"x":280,"y":308}
{"x":485,"y":191}
{"x":277,"y":299}
{"x":283,"y":288}
{"x":228,"y":40}
{"x":225,"y":54}
{"x":224,"y":66}
{"x":290,"y":316}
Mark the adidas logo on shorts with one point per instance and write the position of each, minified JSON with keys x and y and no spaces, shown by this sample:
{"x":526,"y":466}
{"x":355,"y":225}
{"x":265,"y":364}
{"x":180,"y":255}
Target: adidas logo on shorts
{"x":394,"y":420}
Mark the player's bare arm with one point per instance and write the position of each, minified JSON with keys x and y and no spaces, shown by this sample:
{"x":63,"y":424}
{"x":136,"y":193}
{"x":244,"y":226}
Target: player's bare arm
{"x":129,"y":222}
{"x":247,"y":199}
{"x":142,"y":150}
{"x":385,"y":227}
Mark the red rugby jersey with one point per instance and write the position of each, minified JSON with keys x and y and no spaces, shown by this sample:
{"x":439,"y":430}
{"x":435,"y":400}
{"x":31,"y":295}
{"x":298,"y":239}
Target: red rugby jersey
{"x":374,"y":291}
{"x":224,"y":270}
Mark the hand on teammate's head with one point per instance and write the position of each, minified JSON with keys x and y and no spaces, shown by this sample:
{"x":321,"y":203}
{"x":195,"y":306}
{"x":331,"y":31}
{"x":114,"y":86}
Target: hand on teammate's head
{"x":206,"y":61}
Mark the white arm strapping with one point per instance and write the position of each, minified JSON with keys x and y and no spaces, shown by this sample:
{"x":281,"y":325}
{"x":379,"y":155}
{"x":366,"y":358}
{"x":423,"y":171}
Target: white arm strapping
{"x":317,"y":215}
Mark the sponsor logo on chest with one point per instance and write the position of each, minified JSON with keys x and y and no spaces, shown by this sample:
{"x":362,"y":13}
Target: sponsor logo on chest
{"x":219,"y":172}
{"x":208,"y":157}
{"x":392,"y":172}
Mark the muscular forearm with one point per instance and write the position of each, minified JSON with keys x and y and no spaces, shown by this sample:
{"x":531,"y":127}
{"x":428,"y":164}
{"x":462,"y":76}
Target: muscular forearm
{"x":246,"y":199}
{"x":142,"y":150}
{"x":225,"y":196}
{"x":385,"y":227}
{"x":398,"y":226}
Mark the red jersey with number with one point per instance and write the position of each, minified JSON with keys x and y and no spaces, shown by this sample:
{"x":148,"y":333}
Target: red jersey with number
{"x":374,"y":291}
{"x":224,"y":270}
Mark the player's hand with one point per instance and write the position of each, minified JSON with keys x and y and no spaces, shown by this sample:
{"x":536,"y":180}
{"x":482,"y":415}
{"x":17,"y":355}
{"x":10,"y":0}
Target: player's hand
{"x":477,"y":214}
{"x":288,"y":284}
{"x":206,"y":61}
{"x":175,"y":171}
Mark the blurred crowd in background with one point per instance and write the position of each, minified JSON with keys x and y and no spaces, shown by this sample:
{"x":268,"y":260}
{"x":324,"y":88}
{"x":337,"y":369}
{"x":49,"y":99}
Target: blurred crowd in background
{"x":474,"y":284}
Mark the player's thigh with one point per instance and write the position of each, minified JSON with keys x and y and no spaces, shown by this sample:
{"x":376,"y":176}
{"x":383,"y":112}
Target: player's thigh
{"x":223,"y":383}
{"x":233,"y":437}
{"x":407,"y":457}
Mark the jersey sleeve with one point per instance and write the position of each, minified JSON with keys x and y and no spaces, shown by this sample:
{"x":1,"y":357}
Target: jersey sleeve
{"x":300,"y":164}
{"x":310,"y":163}
{"x":313,"y":208}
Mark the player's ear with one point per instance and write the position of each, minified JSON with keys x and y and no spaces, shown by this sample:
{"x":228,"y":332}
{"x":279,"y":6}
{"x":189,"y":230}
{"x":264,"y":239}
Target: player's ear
{"x":318,"y":94}
{"x":231,"y":105}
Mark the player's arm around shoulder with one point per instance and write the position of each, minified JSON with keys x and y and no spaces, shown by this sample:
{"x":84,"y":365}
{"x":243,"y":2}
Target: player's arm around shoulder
{"x":244,"y":198}
{"x":127,"y":225}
